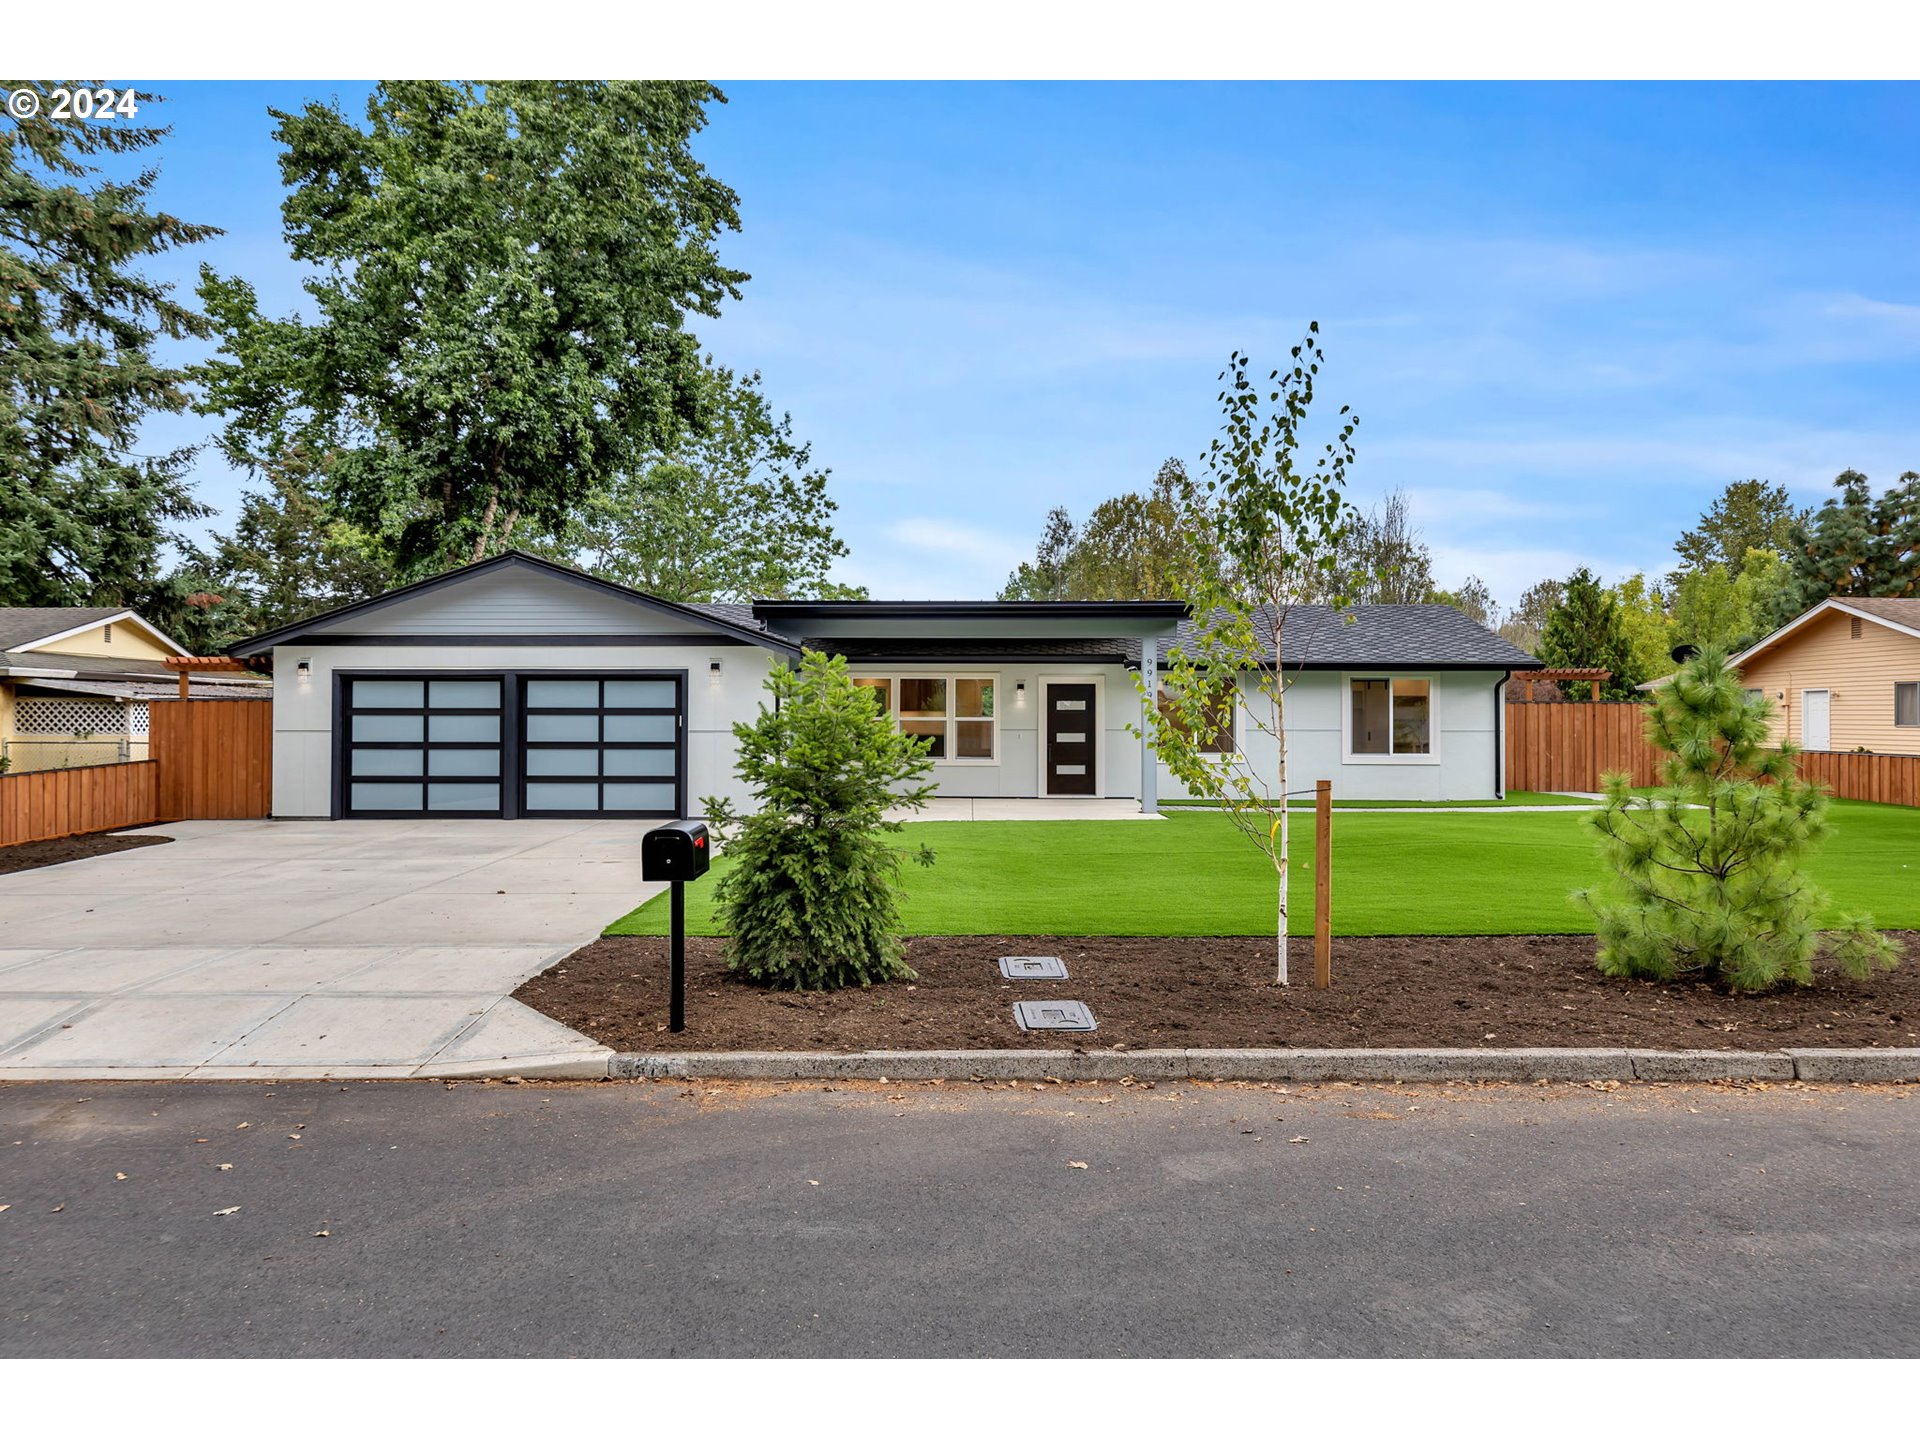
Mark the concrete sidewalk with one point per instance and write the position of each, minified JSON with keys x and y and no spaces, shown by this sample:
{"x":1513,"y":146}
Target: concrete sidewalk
{"x":276,"y":949}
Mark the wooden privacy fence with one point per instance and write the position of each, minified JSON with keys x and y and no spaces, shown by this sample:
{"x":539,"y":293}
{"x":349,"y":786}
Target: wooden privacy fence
{"x":1570,"y":746}
{"x":216,"y":758}
{"x":1889,"y":779}
{"x":212,"y":760}
{"x":47,"y":804}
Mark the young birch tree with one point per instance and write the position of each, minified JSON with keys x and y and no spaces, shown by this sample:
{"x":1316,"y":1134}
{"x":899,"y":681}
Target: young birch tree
{"x":1267,"y":528}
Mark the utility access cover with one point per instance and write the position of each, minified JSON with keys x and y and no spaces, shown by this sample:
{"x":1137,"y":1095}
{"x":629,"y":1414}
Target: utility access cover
{"x":1033,"y":967}
{"x":1053,"y":1015}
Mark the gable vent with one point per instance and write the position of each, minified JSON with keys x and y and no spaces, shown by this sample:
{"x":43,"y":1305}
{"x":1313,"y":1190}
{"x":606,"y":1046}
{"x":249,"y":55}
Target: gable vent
{"x":1853,"y":627}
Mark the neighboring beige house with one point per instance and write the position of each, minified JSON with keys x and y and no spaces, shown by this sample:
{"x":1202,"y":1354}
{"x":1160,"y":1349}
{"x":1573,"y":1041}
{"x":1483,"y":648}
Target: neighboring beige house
{"x":1844,"y":676}
{"x":76,"y":683}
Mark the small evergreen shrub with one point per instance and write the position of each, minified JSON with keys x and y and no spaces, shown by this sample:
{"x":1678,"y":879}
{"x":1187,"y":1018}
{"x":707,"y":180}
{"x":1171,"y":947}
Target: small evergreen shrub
{"x":1710,"y":876}
{"x":811,"y":901}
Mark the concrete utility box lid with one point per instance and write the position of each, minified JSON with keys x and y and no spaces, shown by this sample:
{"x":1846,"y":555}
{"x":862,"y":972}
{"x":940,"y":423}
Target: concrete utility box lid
{"x":1053,"y":1015}
{"x":1033,"y":967}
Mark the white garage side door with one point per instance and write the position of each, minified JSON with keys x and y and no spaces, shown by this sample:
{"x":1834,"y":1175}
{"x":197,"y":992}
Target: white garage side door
{"x":1816,"y":720}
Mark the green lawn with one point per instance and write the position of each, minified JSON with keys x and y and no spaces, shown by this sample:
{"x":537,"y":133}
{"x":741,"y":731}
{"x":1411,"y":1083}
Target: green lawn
{"x":1514,"y":797}
{"x":1394,"y":874}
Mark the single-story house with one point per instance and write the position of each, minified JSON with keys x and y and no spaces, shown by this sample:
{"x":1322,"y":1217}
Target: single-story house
{"x":1843,"y":676}
{"x":516,"y":687}
{"x":76,"y":681}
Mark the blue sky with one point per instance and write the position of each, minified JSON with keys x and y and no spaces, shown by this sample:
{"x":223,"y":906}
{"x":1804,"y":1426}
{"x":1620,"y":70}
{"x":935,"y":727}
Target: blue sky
{"x":1566,"y":315}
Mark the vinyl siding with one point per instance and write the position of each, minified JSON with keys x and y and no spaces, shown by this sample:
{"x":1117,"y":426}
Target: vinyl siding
{"x":1861,"y":675}
{"x":513,"y":601}
{"x":1465,"y":765}
{"x":129,"y":642}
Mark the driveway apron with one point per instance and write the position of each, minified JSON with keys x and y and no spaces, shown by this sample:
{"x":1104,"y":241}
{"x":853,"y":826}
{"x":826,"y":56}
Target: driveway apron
{"x":283,"y":949}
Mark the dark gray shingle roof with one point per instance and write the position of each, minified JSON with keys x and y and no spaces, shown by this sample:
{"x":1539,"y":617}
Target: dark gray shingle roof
{"x":1410,"y":637}
{"x":24,"y":624}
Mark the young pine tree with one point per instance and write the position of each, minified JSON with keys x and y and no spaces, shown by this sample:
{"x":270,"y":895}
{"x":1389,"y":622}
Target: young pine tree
{"x":1710,"y":880}
{"x":812,"y":899}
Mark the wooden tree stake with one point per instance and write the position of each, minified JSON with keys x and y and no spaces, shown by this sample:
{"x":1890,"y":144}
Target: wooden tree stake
{"x":1322,"y":884}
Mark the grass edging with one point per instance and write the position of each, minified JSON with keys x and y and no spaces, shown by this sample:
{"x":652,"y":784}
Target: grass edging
{"x":1875,"y":1065}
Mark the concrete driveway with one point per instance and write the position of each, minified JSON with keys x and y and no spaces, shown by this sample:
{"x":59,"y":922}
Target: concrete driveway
{"x":275,"y":949}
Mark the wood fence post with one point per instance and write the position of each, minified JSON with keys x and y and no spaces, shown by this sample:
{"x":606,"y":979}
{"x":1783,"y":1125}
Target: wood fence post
{"x":1322,"y":884}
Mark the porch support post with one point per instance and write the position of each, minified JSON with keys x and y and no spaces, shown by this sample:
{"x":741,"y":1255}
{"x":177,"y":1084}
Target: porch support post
{"x":1149,"y":693}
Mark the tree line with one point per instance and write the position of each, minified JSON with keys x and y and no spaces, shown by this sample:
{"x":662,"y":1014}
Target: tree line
{"x":1752,"y":562}
{"x":496,"y":352}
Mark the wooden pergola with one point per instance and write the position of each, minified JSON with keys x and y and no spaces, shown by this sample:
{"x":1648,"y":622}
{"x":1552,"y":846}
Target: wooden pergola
{"x":1594,"y":675}
{"x":191,"y":665}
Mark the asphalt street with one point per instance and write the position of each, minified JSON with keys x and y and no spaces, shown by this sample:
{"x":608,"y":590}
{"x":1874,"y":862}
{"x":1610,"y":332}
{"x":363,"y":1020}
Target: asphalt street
{"x":650,"y":1219}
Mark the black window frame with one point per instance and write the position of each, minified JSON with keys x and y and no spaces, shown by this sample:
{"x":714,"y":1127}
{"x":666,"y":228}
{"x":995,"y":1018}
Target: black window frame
{"x":677,"y":744}
{"x":512,"y":776}
{"x":345,"y":745}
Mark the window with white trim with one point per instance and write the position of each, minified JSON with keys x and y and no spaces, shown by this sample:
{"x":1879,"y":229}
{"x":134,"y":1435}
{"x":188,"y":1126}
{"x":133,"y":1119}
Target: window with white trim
{"x":1390,"y":716}
{"x":954,"y":713}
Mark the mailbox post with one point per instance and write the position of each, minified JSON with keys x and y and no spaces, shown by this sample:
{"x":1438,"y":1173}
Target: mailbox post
{"x":676,"y":853}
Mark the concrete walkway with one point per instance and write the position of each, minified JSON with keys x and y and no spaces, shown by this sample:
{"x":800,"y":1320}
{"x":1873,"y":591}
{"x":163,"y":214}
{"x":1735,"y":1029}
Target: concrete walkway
{"x":276,"y":949}
{"x":1058,"y":807}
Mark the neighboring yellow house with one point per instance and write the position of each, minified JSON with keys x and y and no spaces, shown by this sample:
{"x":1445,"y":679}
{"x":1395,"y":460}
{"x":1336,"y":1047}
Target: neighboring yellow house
{"x":1844,"y":676}
{"x":75,"y":684}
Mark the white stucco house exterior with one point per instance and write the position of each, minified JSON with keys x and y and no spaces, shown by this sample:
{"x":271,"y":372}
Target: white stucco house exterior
{"x":516,"y":687}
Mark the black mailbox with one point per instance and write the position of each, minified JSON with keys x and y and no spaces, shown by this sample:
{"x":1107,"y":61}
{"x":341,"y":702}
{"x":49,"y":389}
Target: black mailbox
{"x":678,"y":850}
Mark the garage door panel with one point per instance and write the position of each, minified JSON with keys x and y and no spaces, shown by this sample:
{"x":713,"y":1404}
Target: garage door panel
{"x":606,"y":745}
{"x":443,"y":731}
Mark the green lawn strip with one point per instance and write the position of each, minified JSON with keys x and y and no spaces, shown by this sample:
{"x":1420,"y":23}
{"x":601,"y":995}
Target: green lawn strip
{"x":1514,"y":797}
{"x":1394,"y":874}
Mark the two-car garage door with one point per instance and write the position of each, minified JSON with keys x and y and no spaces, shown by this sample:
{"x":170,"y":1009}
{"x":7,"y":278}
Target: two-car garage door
{"x":511,"y":745}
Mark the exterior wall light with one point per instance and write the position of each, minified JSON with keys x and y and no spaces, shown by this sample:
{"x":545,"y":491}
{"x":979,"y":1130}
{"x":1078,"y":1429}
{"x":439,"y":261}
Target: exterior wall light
{"x":713,"y":672}
{"x":305,"y":668}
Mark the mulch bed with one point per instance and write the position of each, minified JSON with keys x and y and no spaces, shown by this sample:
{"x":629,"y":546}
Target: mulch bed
{"x":32,"y":854}
{"x":1489,"y":992}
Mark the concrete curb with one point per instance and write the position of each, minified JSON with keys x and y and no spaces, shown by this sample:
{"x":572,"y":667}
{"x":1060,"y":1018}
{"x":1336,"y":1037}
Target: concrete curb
{"x":1299,"y":1065}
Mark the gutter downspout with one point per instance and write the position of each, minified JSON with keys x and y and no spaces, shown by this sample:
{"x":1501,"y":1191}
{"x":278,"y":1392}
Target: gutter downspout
{"x":1500,"y":737}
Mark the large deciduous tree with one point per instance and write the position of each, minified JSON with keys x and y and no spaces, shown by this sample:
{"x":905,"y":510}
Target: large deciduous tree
{"x":1131,"y":547}
{"x":501,"y":276}
{"x":1527,"y":621}
{"x":1717,"y":607}
{"x":1858,"y":544}
{"x":739,"y":512}
{"x":1278,"y":519}
{"x":289,"y":555}
{"x":84,"y":518}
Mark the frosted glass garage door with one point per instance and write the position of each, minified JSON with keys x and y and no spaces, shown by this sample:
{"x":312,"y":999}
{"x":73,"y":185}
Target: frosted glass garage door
{"x":601,"y":746}
{"x":423,"y":745}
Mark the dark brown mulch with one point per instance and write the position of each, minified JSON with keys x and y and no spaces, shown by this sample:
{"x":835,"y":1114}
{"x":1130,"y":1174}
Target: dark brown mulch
{"x":32,"y":854}
{"x":1478,"y":991}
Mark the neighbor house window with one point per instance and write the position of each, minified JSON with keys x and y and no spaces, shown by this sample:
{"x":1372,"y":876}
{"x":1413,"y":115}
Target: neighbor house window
{"x":1219,"y":737}
{"x":955,"y":713}
{"x":1391,"y":716}
{"x":1906,"y":703}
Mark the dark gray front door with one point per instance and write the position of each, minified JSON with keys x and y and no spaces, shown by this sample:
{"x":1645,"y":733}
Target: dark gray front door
{"x":1070,"y":740}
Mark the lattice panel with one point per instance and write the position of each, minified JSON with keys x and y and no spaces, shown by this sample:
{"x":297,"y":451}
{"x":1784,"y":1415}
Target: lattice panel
{"x":82,"y":715}
{"x":137,"y":719}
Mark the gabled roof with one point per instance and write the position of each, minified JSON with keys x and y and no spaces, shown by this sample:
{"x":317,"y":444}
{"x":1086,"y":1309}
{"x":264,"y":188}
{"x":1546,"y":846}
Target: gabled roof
{"x":705,"y":616}
{"x":1388,"y":637}
{"x":1895,"y":613}
{"x":30,"y":627}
